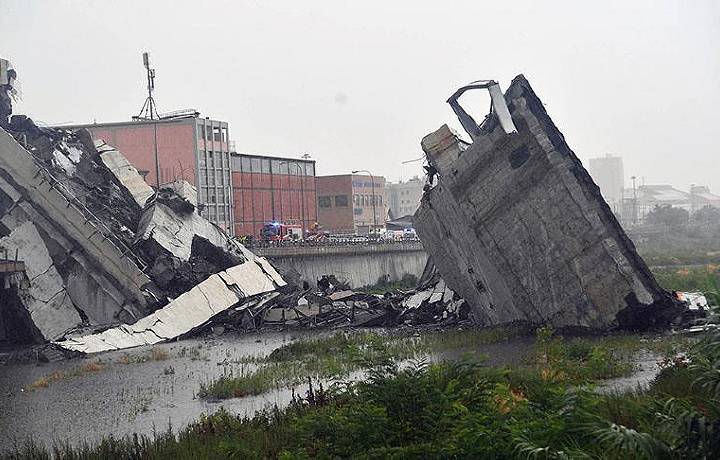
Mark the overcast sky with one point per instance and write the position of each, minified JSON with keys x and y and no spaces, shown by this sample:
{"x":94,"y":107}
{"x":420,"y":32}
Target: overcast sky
{"x":358,"y":84}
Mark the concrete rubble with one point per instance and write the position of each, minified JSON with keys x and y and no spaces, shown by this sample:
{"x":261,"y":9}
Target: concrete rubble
{"x":432,"y":303}
{"x":101,"y":251}
{"x":517,"y":227}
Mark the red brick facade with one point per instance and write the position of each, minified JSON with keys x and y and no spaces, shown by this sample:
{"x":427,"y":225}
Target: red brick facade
{"x":272,"y":189}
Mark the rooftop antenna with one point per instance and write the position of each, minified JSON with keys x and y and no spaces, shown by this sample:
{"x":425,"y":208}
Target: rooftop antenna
{"x":149,"y":108}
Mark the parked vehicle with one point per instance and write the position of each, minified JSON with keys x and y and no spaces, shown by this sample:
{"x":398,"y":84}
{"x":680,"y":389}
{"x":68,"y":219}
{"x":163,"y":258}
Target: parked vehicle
{"x":409,"y":234}
{"x":277,"y":231}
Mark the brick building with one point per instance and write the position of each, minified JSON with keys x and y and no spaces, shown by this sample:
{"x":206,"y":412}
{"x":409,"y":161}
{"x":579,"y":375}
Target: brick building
{"x":272,"y":189}
{"x":345,"y":203}
{"x":189,"y":147}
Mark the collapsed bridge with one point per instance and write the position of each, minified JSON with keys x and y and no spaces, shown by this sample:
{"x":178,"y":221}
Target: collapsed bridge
{"x":517,"y":226}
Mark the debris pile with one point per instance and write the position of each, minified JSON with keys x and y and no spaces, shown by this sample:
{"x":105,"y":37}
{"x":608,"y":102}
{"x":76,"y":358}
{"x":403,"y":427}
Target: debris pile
{"x":100,"y":248}
{"x":335,"y":307}
{"x":517,"y":227}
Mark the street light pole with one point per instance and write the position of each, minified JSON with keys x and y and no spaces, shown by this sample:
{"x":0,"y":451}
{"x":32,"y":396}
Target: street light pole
{"x":372,"y":185}
{"x":634,"y":201}
{"x":281,"y":200}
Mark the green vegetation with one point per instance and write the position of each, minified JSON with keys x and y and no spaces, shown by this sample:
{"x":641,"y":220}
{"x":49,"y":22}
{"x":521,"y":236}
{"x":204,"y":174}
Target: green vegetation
{"x":383,"y":285}
{"x":463,"y":410}
{"x":692,"y":245}
{"x":703,"y":278}
{"x":335,"y":356}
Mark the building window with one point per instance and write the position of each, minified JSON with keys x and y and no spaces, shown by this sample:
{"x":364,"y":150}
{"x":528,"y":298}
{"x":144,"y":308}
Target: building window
{"x":255,"y":165}
{"x":324,"y":201}
{"x":245,"y":164}
{"x":341,"y":200}
{"x":310,"y":169}
{"x":265,"y":163}
{"x":236,"y":163}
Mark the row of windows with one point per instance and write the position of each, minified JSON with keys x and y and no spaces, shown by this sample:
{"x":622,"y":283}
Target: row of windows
{"x":215,"y":133}
{"x":268,"y":165}
{"x":215,"y":195}
{"x":216,"y":213}
{"x":213,"y":177}
{"x":212,"y":159}
{"x":367,"y":200}
{"x":326,"y":201}
{"x":342,"y":200}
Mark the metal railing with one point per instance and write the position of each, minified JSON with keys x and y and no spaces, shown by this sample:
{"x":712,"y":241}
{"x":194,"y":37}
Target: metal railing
{"x":328,"y":243}
{"x":90,"y":218}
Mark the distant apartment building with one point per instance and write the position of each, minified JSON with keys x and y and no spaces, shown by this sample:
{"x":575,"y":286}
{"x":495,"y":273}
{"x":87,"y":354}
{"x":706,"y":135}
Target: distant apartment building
{"x":608,"y":174}
{"x":403,"y":198}
{"x":272,"y":189}
{"x":188,"y":147}
{"x":351,"y":203}
{"x":645,"y":198}
{"x":701,"y":196}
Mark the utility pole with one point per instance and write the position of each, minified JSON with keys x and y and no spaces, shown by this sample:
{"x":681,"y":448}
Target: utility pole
{"x":149,"y":112}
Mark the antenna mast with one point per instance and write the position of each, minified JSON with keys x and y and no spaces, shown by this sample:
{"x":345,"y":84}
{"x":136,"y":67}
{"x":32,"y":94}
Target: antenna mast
{"x":149,"y":108}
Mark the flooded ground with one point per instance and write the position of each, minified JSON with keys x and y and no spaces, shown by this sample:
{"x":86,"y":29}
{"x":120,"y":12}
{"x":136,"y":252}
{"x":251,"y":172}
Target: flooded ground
{"x":126,"y":395}
{"x":152,"y":388}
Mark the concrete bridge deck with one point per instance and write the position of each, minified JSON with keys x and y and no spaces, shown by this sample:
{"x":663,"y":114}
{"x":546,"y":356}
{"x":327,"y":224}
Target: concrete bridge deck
{"x":325,"y":249}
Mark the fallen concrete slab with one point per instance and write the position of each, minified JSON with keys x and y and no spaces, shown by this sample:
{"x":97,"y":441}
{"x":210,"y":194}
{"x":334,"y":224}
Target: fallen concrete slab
{"x":175,"y":232}
{"x":125,"y":173}
{"x":517,"y":227}
{"x":45,"y":298}
{"x":191,"y":310}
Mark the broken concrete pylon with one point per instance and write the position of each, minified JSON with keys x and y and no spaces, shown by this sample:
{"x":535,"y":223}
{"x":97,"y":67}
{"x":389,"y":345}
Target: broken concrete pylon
{"x":517,"y":227}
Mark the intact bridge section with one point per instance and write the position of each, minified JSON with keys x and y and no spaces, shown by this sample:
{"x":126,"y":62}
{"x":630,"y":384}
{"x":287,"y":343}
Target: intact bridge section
{"x":357,"y":264}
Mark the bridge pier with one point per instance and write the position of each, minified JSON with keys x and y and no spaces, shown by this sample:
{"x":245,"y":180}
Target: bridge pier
{"x":358,"y":265}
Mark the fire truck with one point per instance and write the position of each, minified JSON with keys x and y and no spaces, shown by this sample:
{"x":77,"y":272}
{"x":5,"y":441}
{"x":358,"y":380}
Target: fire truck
{"x":278,"y":231}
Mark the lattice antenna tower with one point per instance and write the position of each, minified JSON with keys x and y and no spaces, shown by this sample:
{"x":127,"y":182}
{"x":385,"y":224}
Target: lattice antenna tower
{"x":149,"y":109}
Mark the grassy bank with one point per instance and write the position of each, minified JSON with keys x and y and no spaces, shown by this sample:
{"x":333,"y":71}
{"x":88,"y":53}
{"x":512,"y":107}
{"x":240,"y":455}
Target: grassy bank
{"x":462,"y":410}
{"x":336,"y":356}
{"x":703,"y":278}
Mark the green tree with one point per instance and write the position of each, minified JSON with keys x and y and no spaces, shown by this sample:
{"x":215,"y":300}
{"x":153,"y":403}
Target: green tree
{"x":668,"y":215}
{"x":708,"y":214}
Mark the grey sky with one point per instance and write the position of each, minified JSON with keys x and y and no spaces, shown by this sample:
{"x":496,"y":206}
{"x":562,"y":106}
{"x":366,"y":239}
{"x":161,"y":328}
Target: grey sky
{"x":358,"y":84}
